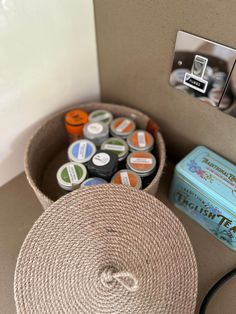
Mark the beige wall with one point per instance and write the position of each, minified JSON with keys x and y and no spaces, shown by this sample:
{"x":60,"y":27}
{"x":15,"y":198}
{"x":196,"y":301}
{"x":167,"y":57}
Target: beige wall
{"x":135,"y":46}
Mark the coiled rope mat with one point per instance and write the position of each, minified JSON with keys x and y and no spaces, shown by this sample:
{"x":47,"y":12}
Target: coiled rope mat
{"x":106,"y":249}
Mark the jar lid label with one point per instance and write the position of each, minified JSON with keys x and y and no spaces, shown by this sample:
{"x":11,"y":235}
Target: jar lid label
{"x":95,"y":128}
{"x":120,"y":148}
{"x":100,"y":116}
{"x":123,"y":125}
{"x":125,"y":178}
{"x":139,"y":160}
{"x":82,"y":150}
{"x":72,"y":174}
{"x":141,"y":139}
{"x":101,"y":159}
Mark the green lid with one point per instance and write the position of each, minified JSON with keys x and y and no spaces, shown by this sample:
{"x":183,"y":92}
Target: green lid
{"x":104,"y":116}
{"x":71,"y":175}
{"x":116,"y":145}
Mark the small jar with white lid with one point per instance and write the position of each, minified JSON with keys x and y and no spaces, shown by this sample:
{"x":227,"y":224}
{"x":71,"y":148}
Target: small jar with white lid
{"x":142,"y":163}
{"x":116,"y":145}
{"x":127,"y":177}
{"x":71,"y":175}
{"x":97,"y":132}
{"x":140,"y":140}
{"x":122,"y":127}
{"x":101,"y":115}
{"x":81,"y":151}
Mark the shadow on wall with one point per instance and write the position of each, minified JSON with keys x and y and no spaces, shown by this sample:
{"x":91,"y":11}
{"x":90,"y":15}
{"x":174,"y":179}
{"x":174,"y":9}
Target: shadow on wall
{"x":12,"y":164}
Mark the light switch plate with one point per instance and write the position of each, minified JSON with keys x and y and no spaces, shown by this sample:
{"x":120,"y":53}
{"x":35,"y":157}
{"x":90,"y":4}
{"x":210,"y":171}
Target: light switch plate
{"x":204,"y":69}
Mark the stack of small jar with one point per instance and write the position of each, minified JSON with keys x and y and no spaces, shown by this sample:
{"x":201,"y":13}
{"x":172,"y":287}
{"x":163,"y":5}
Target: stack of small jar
{"x":104,"y":149}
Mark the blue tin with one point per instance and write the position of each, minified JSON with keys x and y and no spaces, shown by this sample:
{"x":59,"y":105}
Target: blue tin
{"x":204,"y":187}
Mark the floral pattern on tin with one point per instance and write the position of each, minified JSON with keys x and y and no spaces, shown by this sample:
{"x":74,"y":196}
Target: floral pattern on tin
{"x":195,"y":168}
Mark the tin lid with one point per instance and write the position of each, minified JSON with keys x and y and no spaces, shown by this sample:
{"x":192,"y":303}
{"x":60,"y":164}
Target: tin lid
{"x":122,"y":127}
{"x":143,"y":163}
{"x":212,"y":174}
{"x":74,"y":120}
{"x":81,"y":151}
{"x":127,"y":177}
{"x":104,"y":116}
{"x":116,"y":145}
{"x":103,"y":164}
{"x":71,"y":175}
{"x":140,"y":140}
{"x":96,"y":130}
{"x":93,"y":181}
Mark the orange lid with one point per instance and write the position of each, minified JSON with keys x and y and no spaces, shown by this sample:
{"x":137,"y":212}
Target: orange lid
{"x":76,"y":117}
{"x":75,"y":121}
{"x":123,"y":125}
{"x":126,"y":175}
{"x":141,"y":161}
{"x":141,"y":140}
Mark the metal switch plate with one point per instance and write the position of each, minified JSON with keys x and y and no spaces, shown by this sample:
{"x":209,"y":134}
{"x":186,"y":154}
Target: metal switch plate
{"x":203,"y":69}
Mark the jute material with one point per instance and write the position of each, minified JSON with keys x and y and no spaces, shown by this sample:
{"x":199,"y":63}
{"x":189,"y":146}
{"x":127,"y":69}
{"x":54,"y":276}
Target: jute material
{"x":46,"y":150}
{"x":106,"y":249}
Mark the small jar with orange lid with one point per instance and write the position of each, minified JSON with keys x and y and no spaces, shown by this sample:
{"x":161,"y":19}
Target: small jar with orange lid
{"x":74,"y":123}
{"x":122,"y":127}
{"x":127,"y":177}
{"x":140,"y":140}
{"x":142,"y":163}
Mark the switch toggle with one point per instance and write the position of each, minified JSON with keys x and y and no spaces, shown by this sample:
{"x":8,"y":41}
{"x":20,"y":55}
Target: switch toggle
{"x":195,"y":79}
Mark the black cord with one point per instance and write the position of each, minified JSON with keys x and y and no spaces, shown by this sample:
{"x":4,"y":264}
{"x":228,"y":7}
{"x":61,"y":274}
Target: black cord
{"x":214,"y":289}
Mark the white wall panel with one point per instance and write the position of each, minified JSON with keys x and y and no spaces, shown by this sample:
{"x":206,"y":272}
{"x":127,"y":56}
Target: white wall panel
{"x":48,"y":60}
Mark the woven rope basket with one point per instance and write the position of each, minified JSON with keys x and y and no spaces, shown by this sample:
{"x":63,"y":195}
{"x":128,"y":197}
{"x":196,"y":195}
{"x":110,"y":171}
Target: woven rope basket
{"x":106,"y":249}
{"x":46,"y":151}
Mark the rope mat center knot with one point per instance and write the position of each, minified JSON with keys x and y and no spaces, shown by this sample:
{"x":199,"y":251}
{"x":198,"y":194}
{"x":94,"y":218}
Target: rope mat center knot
{"x":110,"y":276}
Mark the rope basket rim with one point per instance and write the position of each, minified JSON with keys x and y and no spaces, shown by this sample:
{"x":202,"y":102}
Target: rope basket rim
{"x":34,"y":185}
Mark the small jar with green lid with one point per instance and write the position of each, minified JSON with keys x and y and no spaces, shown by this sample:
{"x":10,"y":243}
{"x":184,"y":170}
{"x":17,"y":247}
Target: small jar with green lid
{"x":97,"y":132}
{"x":142,"y":163}
{"x":104,"y":116}
{"x":122,"y":127}
{"x":71,"y":175}
{"x":140,"y":140}
{"x":116,"y":145}
{"x":127,"y":177}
